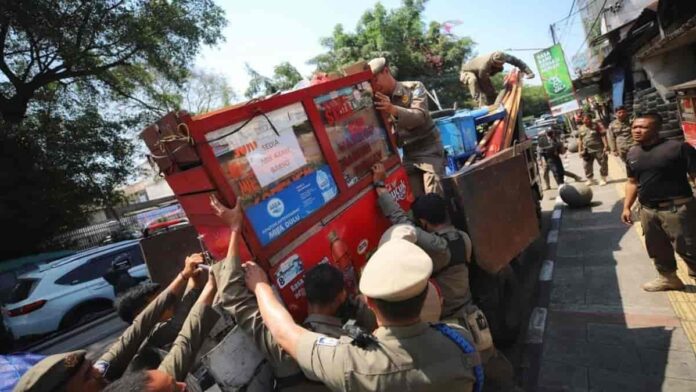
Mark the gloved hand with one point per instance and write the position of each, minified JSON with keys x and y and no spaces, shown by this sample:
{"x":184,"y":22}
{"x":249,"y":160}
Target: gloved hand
{"x":530,"y":74}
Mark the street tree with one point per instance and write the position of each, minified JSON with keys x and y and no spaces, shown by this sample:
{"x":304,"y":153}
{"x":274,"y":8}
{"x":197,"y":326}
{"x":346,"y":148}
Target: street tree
{"x":202,"y":91}
{"x":69,"y":74}
{"x":534,"y":102}
{"x":285,"y":77}
{"x":416,"y":50}
{"x":109,"y":44}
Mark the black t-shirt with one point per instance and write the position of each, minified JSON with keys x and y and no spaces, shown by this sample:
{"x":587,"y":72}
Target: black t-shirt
{"x":661,"y":170}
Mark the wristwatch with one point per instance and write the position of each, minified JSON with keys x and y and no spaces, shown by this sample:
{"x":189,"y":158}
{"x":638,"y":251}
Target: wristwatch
{"x":379,"y":184}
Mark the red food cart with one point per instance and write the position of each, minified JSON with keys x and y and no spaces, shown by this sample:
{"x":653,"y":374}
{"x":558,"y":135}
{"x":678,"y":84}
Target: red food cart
{"x":300,"y":164}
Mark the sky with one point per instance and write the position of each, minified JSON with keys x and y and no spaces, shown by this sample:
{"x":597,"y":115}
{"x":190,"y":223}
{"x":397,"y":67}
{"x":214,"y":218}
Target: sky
{"x":264,"y":33}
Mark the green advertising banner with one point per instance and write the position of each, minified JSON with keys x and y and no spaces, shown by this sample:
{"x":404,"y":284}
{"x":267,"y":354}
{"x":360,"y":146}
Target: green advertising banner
{"x":555,"y":77}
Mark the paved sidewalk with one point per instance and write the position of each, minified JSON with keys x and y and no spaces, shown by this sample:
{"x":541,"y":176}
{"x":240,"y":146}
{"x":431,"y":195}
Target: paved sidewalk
{"x":603,"y":333}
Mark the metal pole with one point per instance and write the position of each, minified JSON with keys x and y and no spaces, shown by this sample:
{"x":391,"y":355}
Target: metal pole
{"x":553,"y":34}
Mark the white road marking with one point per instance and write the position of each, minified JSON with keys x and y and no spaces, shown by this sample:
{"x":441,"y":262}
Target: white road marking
{"x":546,"y":272}
{"x":537,"y":325}
{"x":552,"y":237}
{"x":556,"y":213}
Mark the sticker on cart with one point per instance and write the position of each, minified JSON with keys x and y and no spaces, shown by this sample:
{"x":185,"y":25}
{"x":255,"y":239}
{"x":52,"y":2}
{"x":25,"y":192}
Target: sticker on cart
{"x":362,"y":246}
{"x":288,"y":270}
{"x":274,"y":216}
{"x":276,"y":156}
{"x":398,"y":189}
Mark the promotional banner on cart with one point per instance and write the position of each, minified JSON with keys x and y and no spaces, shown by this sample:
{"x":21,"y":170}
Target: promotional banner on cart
{"x":273,"y":216}
{"x":556,"y":80}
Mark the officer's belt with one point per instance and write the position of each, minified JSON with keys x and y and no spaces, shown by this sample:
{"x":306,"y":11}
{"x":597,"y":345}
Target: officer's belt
{"x":665,"y":205}
{"x":415,"y":140}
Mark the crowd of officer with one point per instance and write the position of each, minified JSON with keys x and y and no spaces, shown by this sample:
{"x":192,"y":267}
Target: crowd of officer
{"x":414,"y":325}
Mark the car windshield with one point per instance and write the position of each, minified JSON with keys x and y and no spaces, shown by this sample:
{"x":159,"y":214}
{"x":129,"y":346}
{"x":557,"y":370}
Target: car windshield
{"x":22,"y":290}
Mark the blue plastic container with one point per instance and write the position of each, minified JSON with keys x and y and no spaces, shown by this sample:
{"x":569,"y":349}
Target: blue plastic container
{"x":466,"y":124}
{"x":451,"y":135}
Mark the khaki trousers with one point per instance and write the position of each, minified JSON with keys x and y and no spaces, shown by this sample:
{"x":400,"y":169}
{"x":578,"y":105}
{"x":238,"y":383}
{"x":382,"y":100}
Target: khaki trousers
{"x":423,"y":182}
{"x":588,"y":163}
{"x":670,"y":230}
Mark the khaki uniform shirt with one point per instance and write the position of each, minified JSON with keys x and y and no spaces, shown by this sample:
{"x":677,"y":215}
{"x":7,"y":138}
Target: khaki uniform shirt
{"x":621,"y":132}
{"x":325,"y":325}
{"x":242,"y":305}
{"x":415,"y":129}
{"x":482,"y":68}
{"x":333,"y":326}
{"x":591,"y":139}
{"x":410,"y":358}
{"x":182,"y":355}
{"x":114,"y":362}
{"x":453,"y":280}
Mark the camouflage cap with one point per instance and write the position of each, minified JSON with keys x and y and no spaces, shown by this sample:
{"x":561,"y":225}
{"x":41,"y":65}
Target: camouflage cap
{"x":51,"y":372}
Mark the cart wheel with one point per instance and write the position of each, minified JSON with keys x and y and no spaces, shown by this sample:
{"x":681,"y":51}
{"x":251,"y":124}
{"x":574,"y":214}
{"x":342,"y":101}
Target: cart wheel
{"x":509,"y":310}
{"x":499,"y":298}
{"x":536,"y":196}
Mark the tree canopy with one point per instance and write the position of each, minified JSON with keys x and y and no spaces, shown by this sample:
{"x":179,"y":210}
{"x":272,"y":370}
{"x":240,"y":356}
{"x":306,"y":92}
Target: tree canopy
{"x":534,"y":101}
{"x":75,"y":88}
{"x":106,"y":44}
{"x":285,"y":77}
{"x":416,"y":51}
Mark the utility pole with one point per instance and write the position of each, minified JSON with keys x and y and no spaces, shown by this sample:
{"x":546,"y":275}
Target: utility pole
{"x":553,"y":34}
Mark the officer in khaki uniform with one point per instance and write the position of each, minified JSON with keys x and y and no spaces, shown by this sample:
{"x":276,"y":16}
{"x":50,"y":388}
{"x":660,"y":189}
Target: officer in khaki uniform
{"x":181,"y":357}
{"x":175,"y":366}
{"x":126,"y":350}
{"x":69,"y":372}
{"x":242,"y":305}
{"x":111,"y":365}
{"x":406,"y":103}
{"x":450,"y":250}
{"x":476,"y":74}
{"x":620,"y":131}
{"x":592,"y":146}
{"x":404,"y":353}
{"x":150,"y":323}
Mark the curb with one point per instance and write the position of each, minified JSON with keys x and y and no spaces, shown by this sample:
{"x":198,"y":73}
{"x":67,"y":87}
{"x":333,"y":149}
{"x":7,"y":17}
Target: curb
{"x":534,"y":338}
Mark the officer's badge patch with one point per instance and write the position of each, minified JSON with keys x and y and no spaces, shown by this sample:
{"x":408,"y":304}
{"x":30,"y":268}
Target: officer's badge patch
{"x":101,"y":366}
{"x":326,"y":341}
{"x":404,"y":99}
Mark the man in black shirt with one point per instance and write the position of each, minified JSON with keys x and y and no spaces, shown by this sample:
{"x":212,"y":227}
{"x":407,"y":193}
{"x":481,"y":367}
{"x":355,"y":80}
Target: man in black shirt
{"x":657,"y":172}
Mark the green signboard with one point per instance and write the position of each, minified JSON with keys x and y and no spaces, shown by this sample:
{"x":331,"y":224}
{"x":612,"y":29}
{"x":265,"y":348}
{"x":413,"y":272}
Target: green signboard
{"x":556,"y":80}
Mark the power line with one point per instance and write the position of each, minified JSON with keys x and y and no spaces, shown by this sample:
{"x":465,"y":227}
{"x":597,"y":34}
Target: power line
{"x":572,"y":5}
{"x":588,"y":5}
{"x":564,"y":30}
{"x":587,"y":36}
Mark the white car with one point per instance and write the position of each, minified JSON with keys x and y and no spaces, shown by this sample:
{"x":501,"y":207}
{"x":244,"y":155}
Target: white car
{"x":68,"y":291}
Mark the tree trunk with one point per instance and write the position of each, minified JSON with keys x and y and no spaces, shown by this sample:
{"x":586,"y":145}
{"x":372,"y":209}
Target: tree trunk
{"x":14,"y":109}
